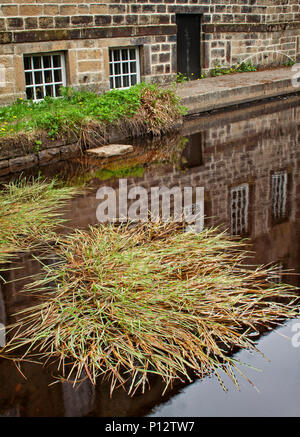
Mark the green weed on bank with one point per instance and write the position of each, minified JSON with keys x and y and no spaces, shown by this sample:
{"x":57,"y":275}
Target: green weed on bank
{"x":77,"y":109}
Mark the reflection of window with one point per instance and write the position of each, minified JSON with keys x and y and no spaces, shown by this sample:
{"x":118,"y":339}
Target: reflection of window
{"x":279,"y":195}
{"x":44,"y":75}
{"x":239,"y":207}
{"x":124,"y":67}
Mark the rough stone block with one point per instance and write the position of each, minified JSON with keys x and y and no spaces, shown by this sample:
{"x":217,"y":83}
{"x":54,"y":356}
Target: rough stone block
{"x":111,"y":150}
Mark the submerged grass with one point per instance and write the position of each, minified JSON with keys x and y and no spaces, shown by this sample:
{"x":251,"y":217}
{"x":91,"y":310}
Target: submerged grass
{"x":128,"y":302}
{"x":28,"y":214}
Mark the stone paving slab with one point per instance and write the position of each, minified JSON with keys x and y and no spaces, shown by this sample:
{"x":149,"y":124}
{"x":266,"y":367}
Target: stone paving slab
{"x":111,"y":150}
{"x":223,"y":91}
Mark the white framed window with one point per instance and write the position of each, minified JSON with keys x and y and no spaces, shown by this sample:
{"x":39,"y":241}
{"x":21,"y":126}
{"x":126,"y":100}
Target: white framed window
{"x":279,"y":195}
{"x":45,"y":73}
{"x":239,"y":209}
{"x":124,"y":67}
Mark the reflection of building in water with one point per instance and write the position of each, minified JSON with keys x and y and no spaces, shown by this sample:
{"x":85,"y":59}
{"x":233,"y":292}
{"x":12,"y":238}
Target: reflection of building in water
{"x":239,"y":209}
{"x":279,"y":196}
{"x":192,"y":155}
{"x":79,"y":400}
{"x":240,"y":151}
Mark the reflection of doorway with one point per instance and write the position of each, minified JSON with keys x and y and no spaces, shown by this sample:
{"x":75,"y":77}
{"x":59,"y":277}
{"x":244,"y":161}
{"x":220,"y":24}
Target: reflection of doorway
{"x":188,"y":44}
{"x":192,"y":155}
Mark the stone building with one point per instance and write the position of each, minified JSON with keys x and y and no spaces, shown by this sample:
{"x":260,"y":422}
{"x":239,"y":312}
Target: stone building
{"x":48,"y":43}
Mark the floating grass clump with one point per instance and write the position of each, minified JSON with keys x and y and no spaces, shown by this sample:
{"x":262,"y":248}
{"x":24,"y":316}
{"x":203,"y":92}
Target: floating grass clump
{"x":28,"y":214}
{"x":150,"y":299}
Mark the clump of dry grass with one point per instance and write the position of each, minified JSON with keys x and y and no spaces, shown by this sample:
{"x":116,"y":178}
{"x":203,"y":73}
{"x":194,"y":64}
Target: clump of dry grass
{"x":161,"y":109}
{"x":28,"y":214}
{"x":160,"y":113}
{"x":150,"y":299}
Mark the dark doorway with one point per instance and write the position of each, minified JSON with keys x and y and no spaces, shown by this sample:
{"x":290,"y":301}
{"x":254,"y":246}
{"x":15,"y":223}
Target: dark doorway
{"x":188,"y":45}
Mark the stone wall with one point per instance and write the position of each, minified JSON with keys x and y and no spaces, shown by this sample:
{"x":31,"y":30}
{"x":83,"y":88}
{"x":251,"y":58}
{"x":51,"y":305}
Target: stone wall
{"x":267,"y":30}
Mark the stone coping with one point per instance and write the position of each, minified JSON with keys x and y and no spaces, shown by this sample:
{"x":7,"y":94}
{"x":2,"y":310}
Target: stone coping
{"x":235,"y":89}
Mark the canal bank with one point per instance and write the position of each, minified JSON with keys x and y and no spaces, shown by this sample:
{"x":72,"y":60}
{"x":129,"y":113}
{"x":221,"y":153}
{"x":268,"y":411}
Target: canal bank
{"x":198,"y":96}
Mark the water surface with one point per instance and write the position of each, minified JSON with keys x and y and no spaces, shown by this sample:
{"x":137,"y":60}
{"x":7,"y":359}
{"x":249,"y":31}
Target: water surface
{"x":248,"y":162}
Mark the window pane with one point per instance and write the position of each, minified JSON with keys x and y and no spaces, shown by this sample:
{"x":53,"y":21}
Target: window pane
{"x":37,"y":64}
{"x":132,"y":54}
{"x":125,"y":81}
{"x":28,"y":78}
{"x":133,"y":79}
{"x":132,"y":67}
{"x":124,"y":54}
{"x":125,"y":68}
{"x":56,"y":61}
{"x":38,"y":77}
{"x":49,"y":90}
{"x":118,"y":82}
{"x":116,"y":55}
{"x":48,"y":76}
{"x":29,"y":93}
{"x":39,"y":92}
{"x":57,"y":90}
{"x":117,"y":68}
{"x":47,"y":61}
{"x":27,"y":63}
{"x":57,"y":76}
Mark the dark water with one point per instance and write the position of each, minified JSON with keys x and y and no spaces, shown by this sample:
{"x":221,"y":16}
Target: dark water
{"x":248,"y":162}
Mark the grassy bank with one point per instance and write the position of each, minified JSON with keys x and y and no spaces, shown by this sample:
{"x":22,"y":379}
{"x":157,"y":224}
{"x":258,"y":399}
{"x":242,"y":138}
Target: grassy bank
{"x":28,"y":215}
{"x":87,"y":117}
{"x":134,"y":301}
